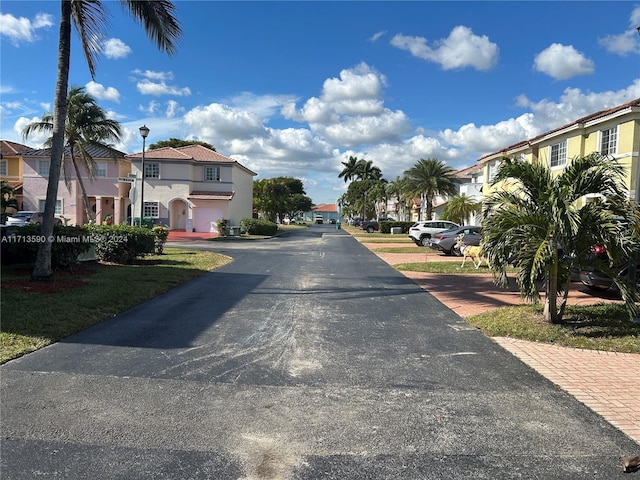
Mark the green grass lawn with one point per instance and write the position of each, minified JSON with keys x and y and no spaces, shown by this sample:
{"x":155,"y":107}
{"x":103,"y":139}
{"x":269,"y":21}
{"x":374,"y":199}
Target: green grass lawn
{"x":445,"y":267}
{"x":32,"y":319}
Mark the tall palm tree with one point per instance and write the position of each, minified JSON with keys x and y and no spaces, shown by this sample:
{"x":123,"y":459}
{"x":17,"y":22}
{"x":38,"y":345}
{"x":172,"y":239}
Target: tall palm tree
{"x":541,"y":224}
{"x":428,"y":178}
{"x":460,"y":208}
{"x":366,"y":171}
{"x":398,"y":189}
{"x":87,"y":125}
{"x":350,"y":169}
{"x":88,"y":16}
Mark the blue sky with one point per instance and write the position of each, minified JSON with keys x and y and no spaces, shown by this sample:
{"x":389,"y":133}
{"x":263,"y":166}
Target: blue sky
{"x":294,"y":88}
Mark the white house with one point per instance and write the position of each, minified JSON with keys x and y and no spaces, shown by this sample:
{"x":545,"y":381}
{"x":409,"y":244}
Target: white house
{"x":191,"y":188}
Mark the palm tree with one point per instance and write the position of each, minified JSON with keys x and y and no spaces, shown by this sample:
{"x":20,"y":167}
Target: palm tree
{"x":541,"y":224}
{"x":350,"y":169}
{"x":88,"y":16}
{"x":428,"y":178}
{"x":87,"y":125}
{"x":366,"y":171}
{"x":460,"y":208}
{"x":7,"y":198}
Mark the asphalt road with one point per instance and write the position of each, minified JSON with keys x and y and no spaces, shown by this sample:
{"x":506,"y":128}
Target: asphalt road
{"x":307,"y":357}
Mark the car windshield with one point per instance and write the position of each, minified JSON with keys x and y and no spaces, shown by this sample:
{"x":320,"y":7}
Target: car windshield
{"x":21,"y":215}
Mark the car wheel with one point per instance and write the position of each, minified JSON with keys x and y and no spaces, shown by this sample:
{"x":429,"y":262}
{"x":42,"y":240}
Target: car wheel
{"x":424,"y":241}
{"x":370,"y":230}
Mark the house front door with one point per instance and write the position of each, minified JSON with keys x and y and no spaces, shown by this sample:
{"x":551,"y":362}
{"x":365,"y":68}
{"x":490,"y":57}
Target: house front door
{"x":178,"y":215}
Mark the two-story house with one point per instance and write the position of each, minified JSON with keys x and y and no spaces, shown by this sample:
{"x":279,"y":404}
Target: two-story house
{"x":191,"y":188}
{"x":614,"y":132}
{"x":11,"y":166}
{"x":106,"y":196}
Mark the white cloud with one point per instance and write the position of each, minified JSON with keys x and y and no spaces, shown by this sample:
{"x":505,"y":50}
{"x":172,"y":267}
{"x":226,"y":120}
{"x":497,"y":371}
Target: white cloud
{"x":563,"y":62}
{"x":151,"y":108}
{"x":101,"y":93}
{"x":115,"y":48}
{"x":36,"y":139}
{"x":22,"y":29}
{"x":460,"y":49}
{"x":264,"y":106}
{"x":376,"y":36}
{"x":153,"y":75}
{"x":216,"y":121}
{"x":147,"y":87}
{"x":626,"y":42}
{"x":350,"y":110}
{"x":173,"y":108}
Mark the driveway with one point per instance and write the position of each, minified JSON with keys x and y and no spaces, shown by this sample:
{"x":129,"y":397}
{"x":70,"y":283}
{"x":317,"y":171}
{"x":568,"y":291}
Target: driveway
{"x":308,"y":357}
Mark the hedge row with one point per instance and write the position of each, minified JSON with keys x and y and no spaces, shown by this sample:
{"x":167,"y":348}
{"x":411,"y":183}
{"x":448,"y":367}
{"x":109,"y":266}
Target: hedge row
{"x":387,"y":225}
{"x":255,"y":226}
{"x":111,"y":243}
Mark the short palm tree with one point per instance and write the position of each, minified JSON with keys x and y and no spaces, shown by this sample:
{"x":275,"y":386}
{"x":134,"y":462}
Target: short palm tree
{"x":7,"y":198}
{"x":542,"y":225}
{"x":428,"y":178}
{"x":460,"y":209}
{"x":89,"y":18}
{"x":87,"y":125}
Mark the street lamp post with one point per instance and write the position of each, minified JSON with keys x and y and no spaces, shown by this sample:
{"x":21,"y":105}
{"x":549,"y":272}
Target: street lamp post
{"x":144,"y":132}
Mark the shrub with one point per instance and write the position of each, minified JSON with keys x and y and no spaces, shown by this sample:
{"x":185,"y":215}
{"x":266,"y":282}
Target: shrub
{"x":386,"y":226}
{"x":255,"y":226}
{"x":68,"y":243}
{"x":223,"y":226}
{"x":161,"y":233}
{"x":122,"y":243}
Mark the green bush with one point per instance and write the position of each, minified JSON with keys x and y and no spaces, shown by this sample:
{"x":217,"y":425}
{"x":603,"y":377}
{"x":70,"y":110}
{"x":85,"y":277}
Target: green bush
{"x":21,"y":246}
{"x":161,"y":233}
{"x":255,"y":226}
{"x":386,"y":226}
{"x":122,"y":243}
{"x":223,"y":227}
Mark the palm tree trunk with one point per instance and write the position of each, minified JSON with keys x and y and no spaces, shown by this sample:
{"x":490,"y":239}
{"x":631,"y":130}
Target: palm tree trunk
{"x":551,"y":301}
{"x":85,"y":199}
{"x":42,"y":271}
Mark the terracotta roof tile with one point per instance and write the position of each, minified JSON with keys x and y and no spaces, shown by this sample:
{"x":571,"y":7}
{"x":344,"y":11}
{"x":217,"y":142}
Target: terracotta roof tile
{"x":8,"y":148}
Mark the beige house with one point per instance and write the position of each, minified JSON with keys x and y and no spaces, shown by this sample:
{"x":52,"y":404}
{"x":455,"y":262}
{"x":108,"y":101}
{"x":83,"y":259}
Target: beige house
{"x":191,"y":188}
{"x":614,"y":132}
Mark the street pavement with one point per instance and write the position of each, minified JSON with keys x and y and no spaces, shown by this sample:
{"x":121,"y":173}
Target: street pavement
{"x":307,"y":357}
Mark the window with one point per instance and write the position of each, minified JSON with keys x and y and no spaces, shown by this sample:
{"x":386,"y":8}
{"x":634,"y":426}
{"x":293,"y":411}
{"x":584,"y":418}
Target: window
{"x":151,"y":170}
{"x":211,"y":174}
{"x":58,"y":210}
{"x":558,"y":157}
{"x":609,"y":141}
{"x":100,"y":169}
{"x":43,"y":167}
{"x":151,"y":209}
{"x":493,"y":169}
{"x":3,"y":168}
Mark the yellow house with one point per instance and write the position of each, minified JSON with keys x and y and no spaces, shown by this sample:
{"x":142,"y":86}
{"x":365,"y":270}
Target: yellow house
{"x":11,"y":166}
{"x":614,"y":132}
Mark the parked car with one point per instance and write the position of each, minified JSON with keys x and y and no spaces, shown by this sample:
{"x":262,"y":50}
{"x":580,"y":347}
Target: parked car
{"x":445,"y":241}
{"x":421,"y":232}
{"x":371,"y":226}
{"x":24,"y":217}
{"x":596,"y":280}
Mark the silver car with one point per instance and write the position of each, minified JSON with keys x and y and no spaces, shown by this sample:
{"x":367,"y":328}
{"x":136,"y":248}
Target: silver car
{"x":445,"y":241}
{"x":25,"y":217}
{"x":421,"y":232}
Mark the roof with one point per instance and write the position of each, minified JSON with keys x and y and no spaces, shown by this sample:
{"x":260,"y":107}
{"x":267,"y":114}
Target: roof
{"x":96,"y":151}
{"x":188,"y":153}
{"x":325,"y":207}
{"x":198,"y":195}
{"x":8,"y":148}
{"x":467,"y":172}
{"x":576,"y":123}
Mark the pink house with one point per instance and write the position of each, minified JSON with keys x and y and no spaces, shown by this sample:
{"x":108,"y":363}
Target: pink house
{"x":107,"y":196}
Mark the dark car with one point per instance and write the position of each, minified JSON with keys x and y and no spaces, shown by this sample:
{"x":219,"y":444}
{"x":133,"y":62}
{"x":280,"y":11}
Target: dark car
{"x":371,"y":226}
{"x":596,"y":280}
{"x":445,"y":241}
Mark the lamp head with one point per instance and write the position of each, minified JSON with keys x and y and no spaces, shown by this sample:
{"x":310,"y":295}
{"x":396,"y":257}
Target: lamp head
{"x":144,"y":131}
